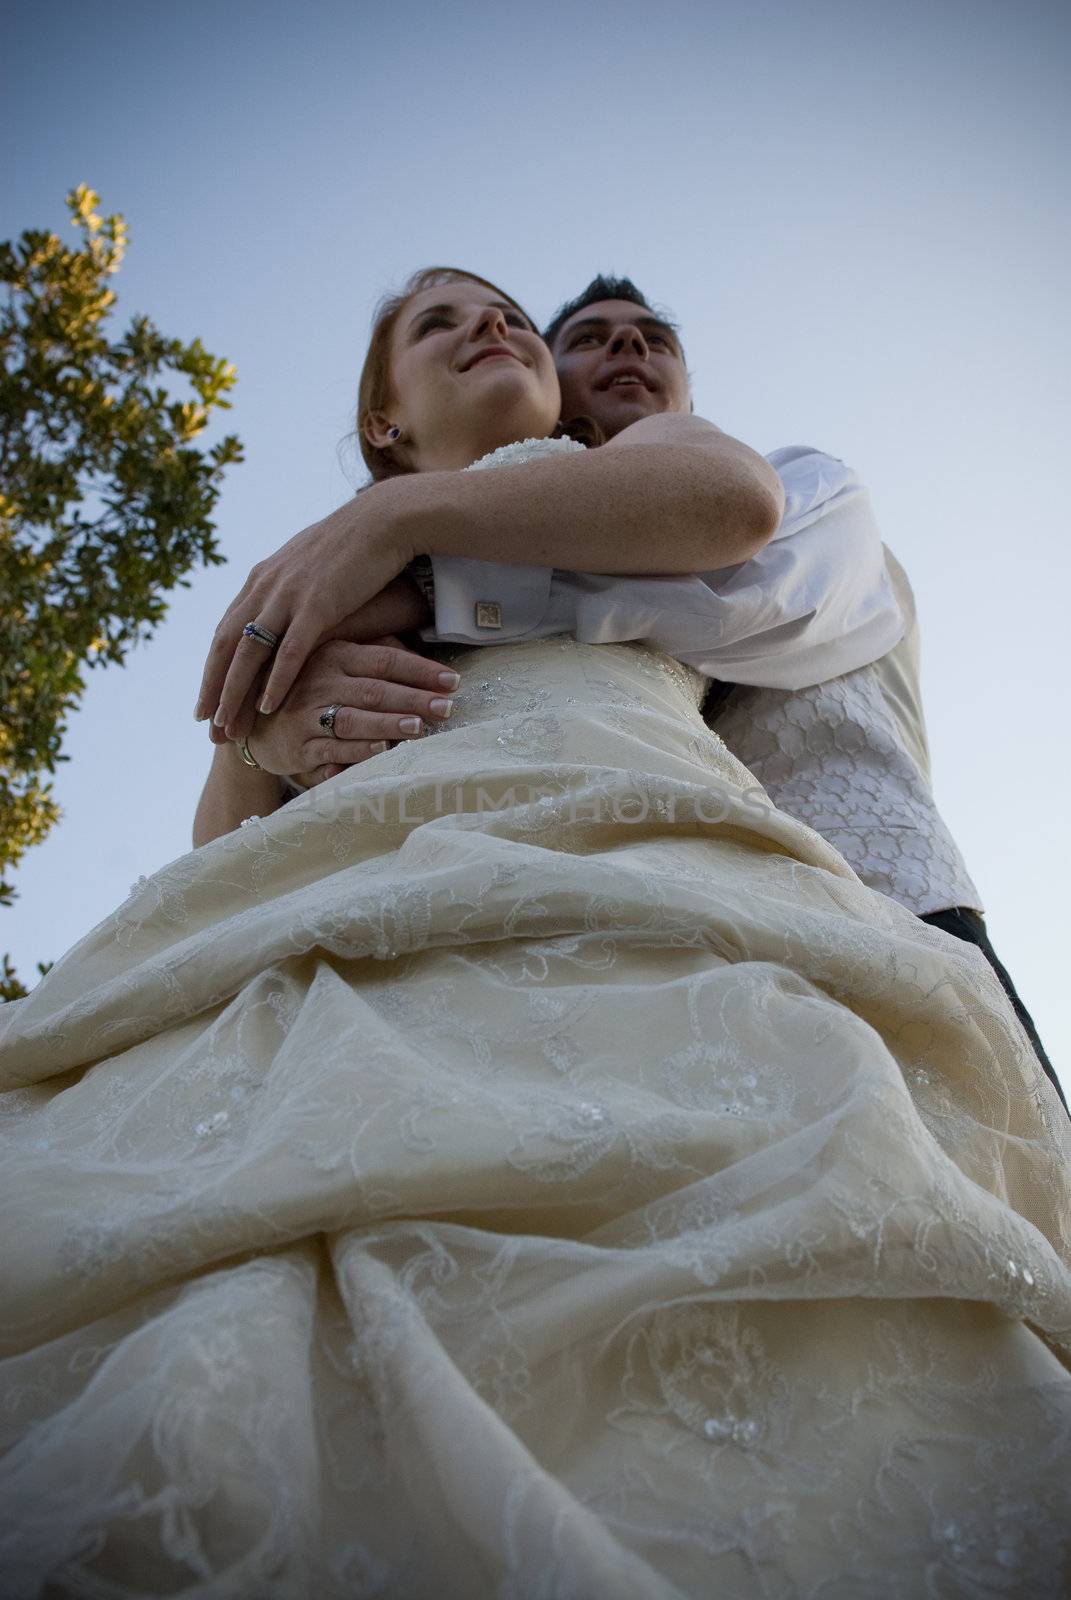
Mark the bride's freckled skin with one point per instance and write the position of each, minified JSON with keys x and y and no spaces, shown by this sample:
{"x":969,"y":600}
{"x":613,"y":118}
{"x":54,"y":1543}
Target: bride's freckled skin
{"x":469,"y":373}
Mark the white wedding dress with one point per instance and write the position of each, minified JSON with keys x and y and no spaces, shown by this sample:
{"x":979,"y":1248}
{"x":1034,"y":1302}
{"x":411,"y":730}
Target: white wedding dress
{"x":590,"y":1191}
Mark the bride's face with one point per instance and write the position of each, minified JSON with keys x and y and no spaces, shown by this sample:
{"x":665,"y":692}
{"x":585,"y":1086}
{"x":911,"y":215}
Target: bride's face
{"x":468,"y":373}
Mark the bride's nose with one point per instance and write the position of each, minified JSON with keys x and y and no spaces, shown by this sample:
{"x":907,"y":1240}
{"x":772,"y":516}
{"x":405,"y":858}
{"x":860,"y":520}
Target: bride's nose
{"x":489,"y":322}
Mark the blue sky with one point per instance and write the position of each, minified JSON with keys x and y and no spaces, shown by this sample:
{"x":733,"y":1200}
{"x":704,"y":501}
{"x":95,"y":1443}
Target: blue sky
{"x":858,"y":212}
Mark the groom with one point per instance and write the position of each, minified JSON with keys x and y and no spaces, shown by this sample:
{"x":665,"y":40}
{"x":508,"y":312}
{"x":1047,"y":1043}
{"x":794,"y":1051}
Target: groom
{"x":824,"y":710}
{"x":847,"y":755}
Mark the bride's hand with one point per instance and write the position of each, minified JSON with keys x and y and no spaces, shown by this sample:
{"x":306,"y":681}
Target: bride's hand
{"x":384,"y":692}
{"x":399,"y":607}
{"x":299,"y":595}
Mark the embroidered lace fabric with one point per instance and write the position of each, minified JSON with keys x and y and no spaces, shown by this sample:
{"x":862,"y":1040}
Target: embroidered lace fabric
{"x":587,"y":1189}
{"x":831,"y":756}
{"x":524,"y":450}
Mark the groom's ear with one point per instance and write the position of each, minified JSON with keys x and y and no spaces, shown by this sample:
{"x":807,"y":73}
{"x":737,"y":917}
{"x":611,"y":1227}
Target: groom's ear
{"x":377,"y":428}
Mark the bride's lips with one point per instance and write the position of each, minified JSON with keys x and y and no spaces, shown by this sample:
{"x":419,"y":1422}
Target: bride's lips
{"x":492,"y":353}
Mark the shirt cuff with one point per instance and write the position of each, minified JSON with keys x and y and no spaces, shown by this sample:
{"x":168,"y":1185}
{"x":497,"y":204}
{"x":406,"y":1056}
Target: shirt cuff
{"x":486,"y":602}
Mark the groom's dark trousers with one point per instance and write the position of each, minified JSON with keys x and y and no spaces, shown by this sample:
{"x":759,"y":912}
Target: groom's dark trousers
{"x":970,"y":925}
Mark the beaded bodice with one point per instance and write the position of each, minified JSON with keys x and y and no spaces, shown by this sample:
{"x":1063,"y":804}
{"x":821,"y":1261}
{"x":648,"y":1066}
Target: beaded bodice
{"x":555,"y":700}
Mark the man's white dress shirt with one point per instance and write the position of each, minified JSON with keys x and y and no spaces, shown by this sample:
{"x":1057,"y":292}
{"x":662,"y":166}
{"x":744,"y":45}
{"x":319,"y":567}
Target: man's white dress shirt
{"x":819,"y":625}
{"x":816,"y":600}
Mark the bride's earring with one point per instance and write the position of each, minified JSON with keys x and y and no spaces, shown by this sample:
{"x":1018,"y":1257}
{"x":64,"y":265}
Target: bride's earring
{"x":394,"y":434}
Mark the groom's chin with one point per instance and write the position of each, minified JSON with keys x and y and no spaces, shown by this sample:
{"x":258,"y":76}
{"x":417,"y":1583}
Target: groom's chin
{"x":614,"y":411}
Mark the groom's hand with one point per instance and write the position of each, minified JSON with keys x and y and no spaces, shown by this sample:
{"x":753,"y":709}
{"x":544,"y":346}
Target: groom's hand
{"x":384,"y":693}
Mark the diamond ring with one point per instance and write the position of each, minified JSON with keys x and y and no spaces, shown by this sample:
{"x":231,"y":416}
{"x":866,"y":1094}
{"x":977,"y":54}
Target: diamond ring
{"x":253,"y":630}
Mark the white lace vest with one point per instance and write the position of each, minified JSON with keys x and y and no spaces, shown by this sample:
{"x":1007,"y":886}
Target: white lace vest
{"x":849,"y":757}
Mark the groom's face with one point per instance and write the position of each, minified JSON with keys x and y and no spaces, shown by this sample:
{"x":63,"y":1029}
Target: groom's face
{"x":618,"y":362}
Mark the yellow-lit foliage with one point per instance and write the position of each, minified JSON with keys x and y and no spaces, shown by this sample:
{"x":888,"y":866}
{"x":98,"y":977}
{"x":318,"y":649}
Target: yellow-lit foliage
{"x":105,"y":500}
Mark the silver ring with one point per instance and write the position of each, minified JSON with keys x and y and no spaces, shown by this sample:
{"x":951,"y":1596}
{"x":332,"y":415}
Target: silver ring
{"x":327,"y":718}
{"x":253,"y":630}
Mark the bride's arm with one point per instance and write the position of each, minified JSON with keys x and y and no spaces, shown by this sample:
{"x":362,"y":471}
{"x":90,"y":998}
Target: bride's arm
{"x":233,"y":791}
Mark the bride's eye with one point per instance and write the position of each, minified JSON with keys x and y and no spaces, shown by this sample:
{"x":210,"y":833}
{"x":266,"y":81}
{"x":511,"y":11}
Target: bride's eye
{"x":434,"y":319}
{"x":515,"y":320}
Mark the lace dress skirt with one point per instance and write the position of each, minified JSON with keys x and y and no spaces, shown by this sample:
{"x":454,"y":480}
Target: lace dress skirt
{"x":529,"y":1165}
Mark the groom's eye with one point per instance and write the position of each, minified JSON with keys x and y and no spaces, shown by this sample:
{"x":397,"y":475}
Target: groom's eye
{"x":574,"y":344}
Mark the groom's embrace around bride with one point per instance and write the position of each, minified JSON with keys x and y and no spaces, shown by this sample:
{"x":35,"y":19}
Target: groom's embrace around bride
{"x":845,"y":753}
{"x":806,"y":622}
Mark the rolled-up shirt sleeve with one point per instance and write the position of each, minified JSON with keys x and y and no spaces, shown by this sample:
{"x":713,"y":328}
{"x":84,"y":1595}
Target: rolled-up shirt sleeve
{"x":814,"y":603}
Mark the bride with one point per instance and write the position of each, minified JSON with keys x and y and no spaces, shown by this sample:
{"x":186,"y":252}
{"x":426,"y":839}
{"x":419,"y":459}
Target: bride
{"x":527,"y":1165}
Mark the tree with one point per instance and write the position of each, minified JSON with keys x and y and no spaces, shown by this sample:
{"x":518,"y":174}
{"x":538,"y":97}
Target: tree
{"x":105,"y":500}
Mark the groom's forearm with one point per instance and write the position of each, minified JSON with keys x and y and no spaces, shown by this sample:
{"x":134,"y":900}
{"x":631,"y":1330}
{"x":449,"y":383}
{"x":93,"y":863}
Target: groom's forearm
{"x":677,"y":496}
{"x":400,"y":607}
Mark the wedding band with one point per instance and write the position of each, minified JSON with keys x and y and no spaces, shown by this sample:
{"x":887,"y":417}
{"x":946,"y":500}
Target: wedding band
{"x":253,"y":630}
{"x":247,"y":755}
{"x":327,"y":718}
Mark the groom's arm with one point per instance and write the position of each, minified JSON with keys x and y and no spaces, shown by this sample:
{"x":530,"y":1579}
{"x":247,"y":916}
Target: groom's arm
{"x":814,"y":602}
{"x":707,"y":495}
{"x":711,"y":500}
{"x":671,"y":494}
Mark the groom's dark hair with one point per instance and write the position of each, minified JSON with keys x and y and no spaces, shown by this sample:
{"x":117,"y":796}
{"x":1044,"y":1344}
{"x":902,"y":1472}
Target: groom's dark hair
{"x":602,"y":288}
